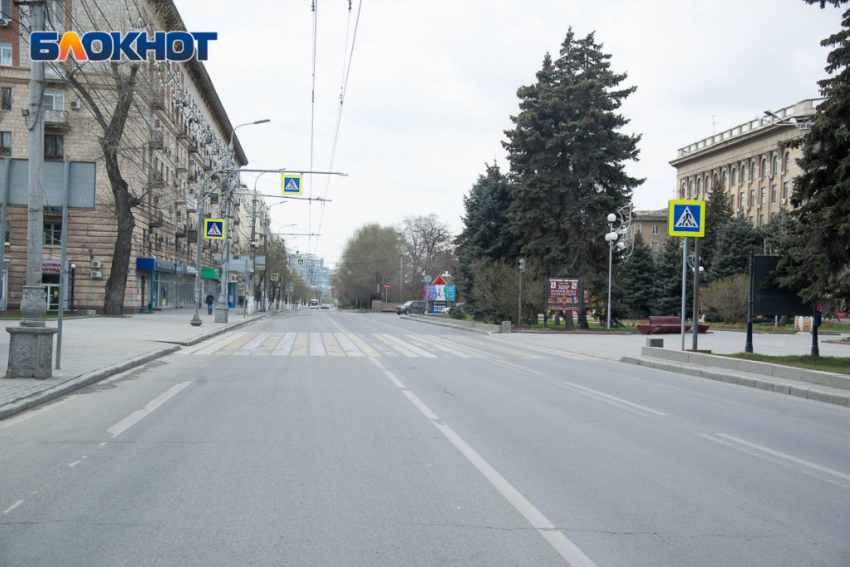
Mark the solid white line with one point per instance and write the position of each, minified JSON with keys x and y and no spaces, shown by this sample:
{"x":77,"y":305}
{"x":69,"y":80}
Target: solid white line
{"x":395,"y":380}
{"x":377,"y":362}
{"x":408,"y":346}
{"x":13,"y":506}
{"x":285,"y":345}
{"x":222,"y":343}
{"x":75,"y":463}
{"x":562,"y":544}
{"x":609,"y":397}
{"x":785,"y":456}
{"x":316,"y":346}
{"x":137,"y":416}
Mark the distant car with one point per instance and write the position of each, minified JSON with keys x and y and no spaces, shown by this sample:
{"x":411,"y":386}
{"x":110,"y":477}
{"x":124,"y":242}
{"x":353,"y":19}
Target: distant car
{"x":411,"y":307}
{"x":326,"y":305}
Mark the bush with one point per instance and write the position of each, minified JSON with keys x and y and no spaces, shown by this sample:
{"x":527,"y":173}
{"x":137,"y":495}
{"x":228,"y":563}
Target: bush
{"x":728,"y":297}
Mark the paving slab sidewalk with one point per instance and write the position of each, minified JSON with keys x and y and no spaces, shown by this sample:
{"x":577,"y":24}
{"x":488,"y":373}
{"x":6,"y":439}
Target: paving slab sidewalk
{"x":99,"y":347}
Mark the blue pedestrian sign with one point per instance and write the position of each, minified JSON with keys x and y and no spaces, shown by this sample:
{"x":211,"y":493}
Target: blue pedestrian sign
{"x":291,"y":185}
{"x":214,"y":229}
{"x":686,"y":218}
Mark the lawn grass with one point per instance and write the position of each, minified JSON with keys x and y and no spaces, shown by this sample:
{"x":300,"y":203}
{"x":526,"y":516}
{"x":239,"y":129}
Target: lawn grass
{"x":838,"y":364}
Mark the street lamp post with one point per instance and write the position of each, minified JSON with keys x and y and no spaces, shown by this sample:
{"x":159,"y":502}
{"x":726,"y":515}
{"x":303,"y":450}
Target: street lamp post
{"x":611,"y":237}
{"x":73,"y":279}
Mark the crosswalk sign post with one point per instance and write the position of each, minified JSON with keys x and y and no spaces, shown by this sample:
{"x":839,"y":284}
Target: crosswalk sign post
{"x":291,"y":185}
{"x":275,"y":277}
{"x":687,"y":219}
{"x":214,"y":229}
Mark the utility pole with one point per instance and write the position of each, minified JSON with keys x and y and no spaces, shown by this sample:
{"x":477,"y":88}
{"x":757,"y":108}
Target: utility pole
{"x":695,"y":328}
{"x":31,"y":343}
{"x":253,"y":244}
{"x":400,"y":268}
{"x":222,"y":308}
{"x":521,"y":271}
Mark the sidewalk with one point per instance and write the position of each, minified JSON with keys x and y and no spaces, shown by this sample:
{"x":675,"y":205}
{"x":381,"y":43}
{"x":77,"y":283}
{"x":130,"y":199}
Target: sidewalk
{"x":95,"y":348}
{"x":615,"y":347}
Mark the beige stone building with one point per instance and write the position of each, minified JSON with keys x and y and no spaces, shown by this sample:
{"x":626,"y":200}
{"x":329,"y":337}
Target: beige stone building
{"x":177,"y":134}
{"x":652,"y":226}
{"x":748,"y":162}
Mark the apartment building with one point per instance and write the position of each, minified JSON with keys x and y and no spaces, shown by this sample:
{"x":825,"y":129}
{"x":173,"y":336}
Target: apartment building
{"x":652,"y":226}
{"x":177,"y":134}
{"x":749,"y":162}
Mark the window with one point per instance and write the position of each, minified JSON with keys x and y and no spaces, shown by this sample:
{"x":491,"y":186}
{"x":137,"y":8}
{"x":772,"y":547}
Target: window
{"x":5,"y":143}
{"x":699,"y":188}
{"x":773,"y":194}
{"x":785,"y":190}
{"x":682,"y":194}
{"x":763,"y":195}
{"x":731,"y":200}
{"x":6,"y":9}
{"x":775,"y":169}
{"x":54,"y":100}
{"x":752,"y":197}
{"x":713,"y":185}
{"x":6,"y":54}
{"x":753,"y":171}
{"x":54,"y":146}
{"x":655,"y":247}
{"x":654,"y":229}
{"x":752,"y":220}
{"x":52,"y":233}
{"x":690,"y":188}
{"x":733,"y":175}
{"x":761,"y":220}
{"x":764,"y":167}
{"x":743,"y":199}
{"x":787,"y":162}
{"x":6,"y":99}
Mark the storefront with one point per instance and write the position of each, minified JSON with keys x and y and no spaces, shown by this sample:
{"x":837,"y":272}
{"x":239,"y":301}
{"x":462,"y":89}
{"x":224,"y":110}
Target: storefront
{"x":50,"y":275}
{"x":164,"y":284}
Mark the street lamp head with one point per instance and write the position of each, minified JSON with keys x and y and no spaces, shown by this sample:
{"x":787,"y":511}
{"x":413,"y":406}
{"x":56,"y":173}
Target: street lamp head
{"x":612,"y":217}
{"x":73,"y":266}
{"x":263,"y":121}
{"x":612,"y":237}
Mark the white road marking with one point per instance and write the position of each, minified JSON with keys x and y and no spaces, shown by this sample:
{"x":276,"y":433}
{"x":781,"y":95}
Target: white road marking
{"x":607,"y":398}
{"x":222,"y":343}
{"x":257,"y":341}
{"x":285,"y":345}
{"x":316,"y":346}
{"x":102,"y":444}
{"x":75,"y":463}
{"x":347,"y":345}
{"x":13,"y":506}
{"x":806,"y":467}
{"x":408,"y":346}
{"x":444,"y":348}
{"x":20,"y":418}
{"x":137,"y":416}
{"x":560,"y":542}
{"x":515,"y":366}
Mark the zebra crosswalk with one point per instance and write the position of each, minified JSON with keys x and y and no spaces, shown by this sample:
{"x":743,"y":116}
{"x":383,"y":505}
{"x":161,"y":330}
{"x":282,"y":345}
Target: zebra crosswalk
{"x":340,"y":344}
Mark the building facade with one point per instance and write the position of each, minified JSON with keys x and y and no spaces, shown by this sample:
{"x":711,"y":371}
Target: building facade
{"x":652,"y":226}
{"x":749,"y":162}
{"x":312,"y":270}
{"x":177,"y":134}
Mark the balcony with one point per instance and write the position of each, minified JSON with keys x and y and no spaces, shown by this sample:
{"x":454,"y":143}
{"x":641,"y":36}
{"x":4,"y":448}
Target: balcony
{"x":53,"y":73}
{"x":156,"y":181}
{"x":191,"y":205}
{"x":157,"y":218}
{"x":157,"y":141}
{"x":181,"y":166}
{"x":158,"y":101}
{"x":56,"y":119}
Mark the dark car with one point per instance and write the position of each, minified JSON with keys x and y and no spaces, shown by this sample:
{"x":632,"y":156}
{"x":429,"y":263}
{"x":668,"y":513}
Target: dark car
{"x":411,"y":307}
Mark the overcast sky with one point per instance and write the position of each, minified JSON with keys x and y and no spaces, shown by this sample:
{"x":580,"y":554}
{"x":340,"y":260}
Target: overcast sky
{"x":433,"y":85}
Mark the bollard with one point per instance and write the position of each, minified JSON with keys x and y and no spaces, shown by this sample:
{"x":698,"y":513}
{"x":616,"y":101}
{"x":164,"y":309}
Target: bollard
{"x":506,"y":327}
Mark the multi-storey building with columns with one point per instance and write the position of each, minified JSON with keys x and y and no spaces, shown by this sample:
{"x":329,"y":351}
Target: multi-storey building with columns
{"x":749,"y":162}
{"x":177,"y":134}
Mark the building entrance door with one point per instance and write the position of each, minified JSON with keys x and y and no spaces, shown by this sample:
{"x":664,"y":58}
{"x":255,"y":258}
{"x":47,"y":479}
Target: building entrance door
{"x":51,"y":284}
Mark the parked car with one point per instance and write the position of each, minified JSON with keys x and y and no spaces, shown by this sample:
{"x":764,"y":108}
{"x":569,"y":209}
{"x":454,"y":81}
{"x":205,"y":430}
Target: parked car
{"x":411,"y":307}
{"x":326,"y":305}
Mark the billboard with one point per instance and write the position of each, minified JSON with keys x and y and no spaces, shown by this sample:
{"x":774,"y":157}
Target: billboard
{"x":563,"y":294}
{"x":773,"y":300}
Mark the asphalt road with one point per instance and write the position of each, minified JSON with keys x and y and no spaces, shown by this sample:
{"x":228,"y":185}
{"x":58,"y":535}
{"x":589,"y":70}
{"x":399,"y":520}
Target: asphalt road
{"x":324,"y":438}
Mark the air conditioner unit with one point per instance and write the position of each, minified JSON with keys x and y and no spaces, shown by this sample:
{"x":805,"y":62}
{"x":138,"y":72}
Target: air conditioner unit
{"x":758,"y":206}
{"x":784,"y":201}
{"x":748,"y":209}
{"x":150,"y":238}
{"x":171,"y":241}
{"x":95,"y":263}
{"x":97,"y":274}
{"x":75,"y":105}
{"x":738,"y":210}
{"x":4,"y":23}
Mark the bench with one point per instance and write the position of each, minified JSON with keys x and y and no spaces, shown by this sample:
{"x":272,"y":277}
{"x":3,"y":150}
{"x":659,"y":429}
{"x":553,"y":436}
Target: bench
{"x":659,"y":324}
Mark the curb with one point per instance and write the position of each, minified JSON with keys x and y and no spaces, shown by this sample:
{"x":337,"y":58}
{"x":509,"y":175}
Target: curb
{"x":84,"y":380}
{"x":449,"y":325}
{"x":760,"y":383}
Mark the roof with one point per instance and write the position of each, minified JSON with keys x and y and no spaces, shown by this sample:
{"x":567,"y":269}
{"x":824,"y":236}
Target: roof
{"x":198,"y":73}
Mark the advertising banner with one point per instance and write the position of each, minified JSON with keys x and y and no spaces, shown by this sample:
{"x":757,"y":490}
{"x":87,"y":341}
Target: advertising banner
{"x":562,"y":294}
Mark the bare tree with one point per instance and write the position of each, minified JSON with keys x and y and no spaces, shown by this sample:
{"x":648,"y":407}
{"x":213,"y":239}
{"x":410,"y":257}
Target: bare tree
{"x":428,"y":249}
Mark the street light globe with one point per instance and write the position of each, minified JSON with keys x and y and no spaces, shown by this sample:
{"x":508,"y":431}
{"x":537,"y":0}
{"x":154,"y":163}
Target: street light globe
{"x":612,"y":236}
{"x":612,"y":217}
{"x":73,"y":266}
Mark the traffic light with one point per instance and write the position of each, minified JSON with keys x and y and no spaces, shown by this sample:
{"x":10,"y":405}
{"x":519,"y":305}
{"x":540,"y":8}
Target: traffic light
{"x":522,"y":264}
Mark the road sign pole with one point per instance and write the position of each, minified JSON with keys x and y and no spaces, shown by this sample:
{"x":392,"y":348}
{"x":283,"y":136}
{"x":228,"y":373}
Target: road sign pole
{"x":748,"y":347}
{"x":684,"y":287}
{"x":696,"y":296}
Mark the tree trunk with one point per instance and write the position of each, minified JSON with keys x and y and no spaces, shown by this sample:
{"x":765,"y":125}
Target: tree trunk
{"x":568,"y":317}
{"x":113,"y":302}
{"x":582,"y":320}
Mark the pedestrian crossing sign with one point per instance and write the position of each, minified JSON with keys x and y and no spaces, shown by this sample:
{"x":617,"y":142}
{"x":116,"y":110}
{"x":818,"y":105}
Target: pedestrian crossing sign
{"x":291,"y":185}
{"x":686,"y":218}
{"x":275,"y":277}
{"x":300,"y":261}
{"x":214,"y":229}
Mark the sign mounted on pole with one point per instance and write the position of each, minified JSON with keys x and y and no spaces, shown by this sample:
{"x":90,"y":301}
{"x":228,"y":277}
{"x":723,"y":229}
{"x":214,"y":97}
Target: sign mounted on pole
{"x":214,"y":229}
{"x":563,"y":294}
{"x":686,"y":218}
{"x":300,"y":261}
{"x":275,"y":277}
{"x":291,"y":185}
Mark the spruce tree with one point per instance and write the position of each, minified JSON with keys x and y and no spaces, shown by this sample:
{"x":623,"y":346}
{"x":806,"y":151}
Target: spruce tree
{"x":817,"y":262}
{"x":718,"y":212}
{"x":734,"y":243}
{"x":568,"y":158}
{"x":668,"y":270}
{"x":639,"y":282}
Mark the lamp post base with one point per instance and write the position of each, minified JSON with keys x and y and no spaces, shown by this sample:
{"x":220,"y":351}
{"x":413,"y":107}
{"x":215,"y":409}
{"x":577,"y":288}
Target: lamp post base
{"x":221,"y":314}
{"x":196,"y":321}
{"x":30,"y":352}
